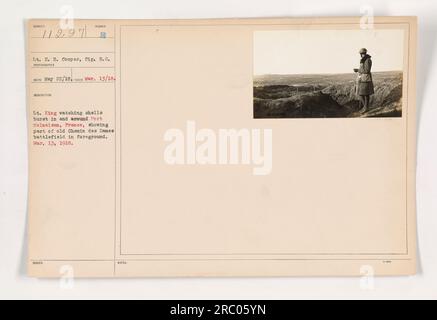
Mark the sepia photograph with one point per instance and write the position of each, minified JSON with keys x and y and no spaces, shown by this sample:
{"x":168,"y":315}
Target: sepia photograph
{"x":328,"y":73}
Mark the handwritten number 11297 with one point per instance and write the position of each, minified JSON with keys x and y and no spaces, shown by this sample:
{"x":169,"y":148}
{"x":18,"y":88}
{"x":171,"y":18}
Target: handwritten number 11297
{"x":65,"y":33}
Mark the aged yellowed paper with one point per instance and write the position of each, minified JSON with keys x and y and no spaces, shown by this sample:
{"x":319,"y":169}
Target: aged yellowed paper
{"x":234,"y":147}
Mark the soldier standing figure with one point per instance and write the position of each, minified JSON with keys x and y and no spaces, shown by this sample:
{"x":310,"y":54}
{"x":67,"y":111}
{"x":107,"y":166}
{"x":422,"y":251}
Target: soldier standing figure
{"x":364,"y":86}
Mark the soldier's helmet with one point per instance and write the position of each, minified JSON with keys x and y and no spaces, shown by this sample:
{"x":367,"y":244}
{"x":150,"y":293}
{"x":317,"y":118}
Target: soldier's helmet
{"x":363,"y":50}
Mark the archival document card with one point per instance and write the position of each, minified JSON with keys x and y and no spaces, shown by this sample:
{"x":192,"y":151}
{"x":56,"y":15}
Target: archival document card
{"x":234,"y":147}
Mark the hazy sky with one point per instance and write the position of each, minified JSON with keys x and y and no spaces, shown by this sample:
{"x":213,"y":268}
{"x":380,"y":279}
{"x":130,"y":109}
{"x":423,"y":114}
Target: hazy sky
{"x":325,"y":51}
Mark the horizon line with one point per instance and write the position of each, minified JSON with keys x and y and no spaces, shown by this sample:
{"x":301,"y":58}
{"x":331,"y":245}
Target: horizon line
{"x":323,"y":73}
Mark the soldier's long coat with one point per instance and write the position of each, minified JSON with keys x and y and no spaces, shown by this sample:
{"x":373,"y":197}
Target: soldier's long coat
{"x":364,"y":81}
